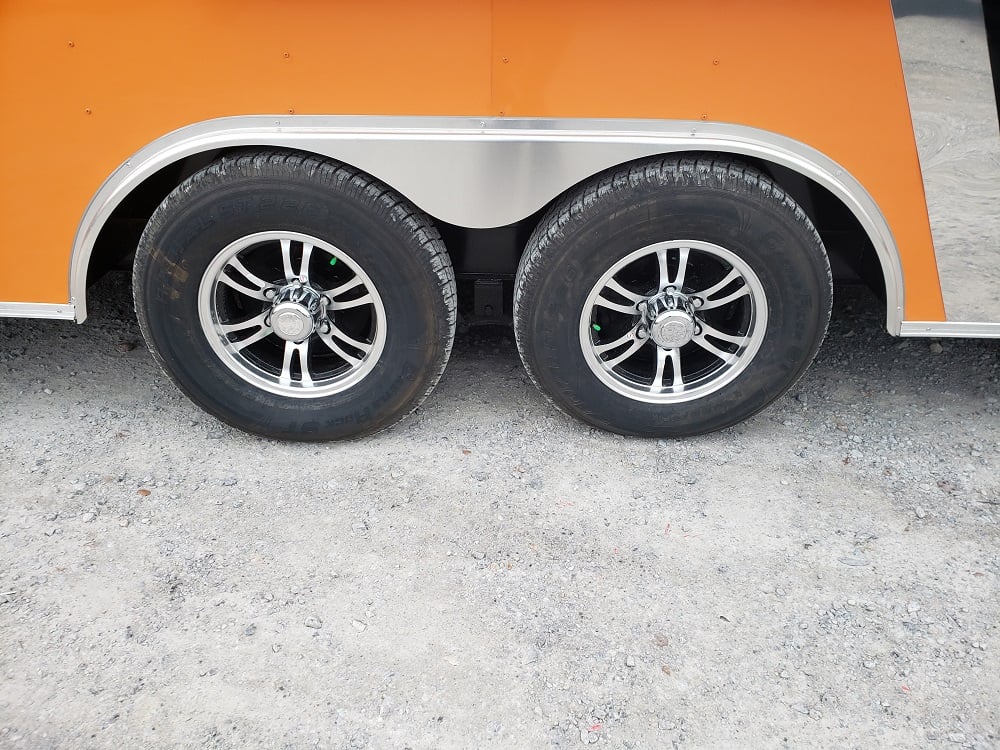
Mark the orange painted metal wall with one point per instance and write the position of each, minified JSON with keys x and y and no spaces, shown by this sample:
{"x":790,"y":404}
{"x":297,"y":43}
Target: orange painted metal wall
{"x":85,"y":85}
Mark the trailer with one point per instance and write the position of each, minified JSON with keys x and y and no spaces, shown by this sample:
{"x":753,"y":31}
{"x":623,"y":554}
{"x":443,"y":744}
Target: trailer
{"x":659,"y":196}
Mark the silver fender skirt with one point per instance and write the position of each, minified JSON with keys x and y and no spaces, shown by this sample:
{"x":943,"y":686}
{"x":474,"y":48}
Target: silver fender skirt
{"x":482,"y":173}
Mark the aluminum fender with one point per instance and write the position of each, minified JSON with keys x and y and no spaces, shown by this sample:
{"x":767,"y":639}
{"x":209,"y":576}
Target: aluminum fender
{"x":481,"y":173}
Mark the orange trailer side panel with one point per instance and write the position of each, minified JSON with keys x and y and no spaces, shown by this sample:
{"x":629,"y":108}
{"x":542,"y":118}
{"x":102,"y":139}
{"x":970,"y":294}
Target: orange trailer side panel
{"x":86,"y":85}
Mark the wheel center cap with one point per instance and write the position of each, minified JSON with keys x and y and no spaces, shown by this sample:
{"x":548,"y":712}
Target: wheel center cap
{"x":672,"y":329}
{"x":292,"y":321}
{"x":294,"y":312}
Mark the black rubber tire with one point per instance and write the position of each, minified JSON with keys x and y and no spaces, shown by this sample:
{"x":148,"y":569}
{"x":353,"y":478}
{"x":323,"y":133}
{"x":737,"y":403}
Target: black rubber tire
{"x":396,"y":245}
{"x":718,"y":201}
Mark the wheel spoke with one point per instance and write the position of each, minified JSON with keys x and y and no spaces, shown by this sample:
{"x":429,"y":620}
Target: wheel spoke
{"x":286,"y":260}
{"x":661,"y":361}
{"x":675,"y":364}
{"x":345,"y":287}
{"x":351,"y":359}
{"x":304,"y":267}
{"x":301,"y":352}
{"x":626,"y":293}
{"x":247,"y":274}
{"x":630,"y":336}
{"x":254,"y":322}
{"x":713,"y":349}
{"x":715,"y":289}
{"x":624,"y":309}
{"x":682,"y":262}
{"x":363,"y":346}
{"x":242,"y":289}
{"x":348,"y":304}
{"x":633,"y":348}
{"x":715,"y":333}
{"x":263,"y":333}
{"x":676,"y":377}
{"x":743,"y":291}
{"x":661,"y":262}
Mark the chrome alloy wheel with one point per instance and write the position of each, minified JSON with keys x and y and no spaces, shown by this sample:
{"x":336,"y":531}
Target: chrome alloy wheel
{"x":292,"y":314}
{"x":673,"y":321}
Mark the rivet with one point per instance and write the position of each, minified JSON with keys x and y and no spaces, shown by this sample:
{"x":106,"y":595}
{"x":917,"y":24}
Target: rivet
{"x":72,"y":44}
{"x":88,"y":111}
{"x":506,"y":59}
{"x":291,"y":111}
{"x":704,"y":117}
{"x":715,"y":62}
{"x":286,"y":55}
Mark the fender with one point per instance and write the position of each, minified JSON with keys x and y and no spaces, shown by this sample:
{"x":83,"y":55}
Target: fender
{"x":482,"y":173}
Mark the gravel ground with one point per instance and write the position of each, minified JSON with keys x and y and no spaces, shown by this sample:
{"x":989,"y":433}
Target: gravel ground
{"x":492,"y":573}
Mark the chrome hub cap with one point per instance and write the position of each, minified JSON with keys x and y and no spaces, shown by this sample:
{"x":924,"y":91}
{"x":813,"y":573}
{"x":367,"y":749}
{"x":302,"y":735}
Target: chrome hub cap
{"x":672,"y":329}
{"x":295,"y":312}
{"x":667,"y":319}
{"x":673,"y":321}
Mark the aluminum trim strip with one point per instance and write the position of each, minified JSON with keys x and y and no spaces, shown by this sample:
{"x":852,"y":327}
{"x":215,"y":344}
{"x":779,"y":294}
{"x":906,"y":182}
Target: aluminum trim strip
{"x":950,"y":330}
{"x":43,"y":310}
{"x":485,"y":172}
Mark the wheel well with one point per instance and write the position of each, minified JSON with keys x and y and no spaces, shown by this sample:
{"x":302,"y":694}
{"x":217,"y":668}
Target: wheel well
{"x":852,"y":255}
{"x":494,"y":253}
{"x":118,"y":238}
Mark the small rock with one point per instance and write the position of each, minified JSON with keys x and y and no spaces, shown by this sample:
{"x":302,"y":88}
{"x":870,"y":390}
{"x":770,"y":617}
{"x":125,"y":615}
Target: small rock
{"x":920,"y":512}
{"x":630,"y":661}
{"x":250,"y":629}
{"x":51,"y":516}
{"x":783,"y":674}
{"x":935,"y":348}
{"x":125,"y":346}
{"x":359,"y":527}
{"x":47,"y":391}
{"x":276,"y":647}
{"x":229,"y":482}
{"x":359,"y":626}
{"x":857,"y":562}
{"x":799,"y":708}
{"x":661,"y":640}
{"x":478,"y":555}
{"x":89,"y":516}
{"x":313,"y":622}
{"x":123,"y":522}
{"x":267,"y":596}
{"x":912,"y":607}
